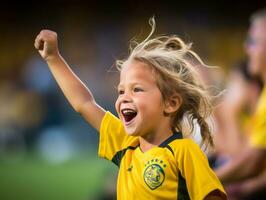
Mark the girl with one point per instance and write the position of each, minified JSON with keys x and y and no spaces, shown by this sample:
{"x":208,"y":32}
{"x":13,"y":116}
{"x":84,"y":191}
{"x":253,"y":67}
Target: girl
{"x":158,"y":89}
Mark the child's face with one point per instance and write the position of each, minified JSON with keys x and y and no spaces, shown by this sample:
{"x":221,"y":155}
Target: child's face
{"x":139,"y":104}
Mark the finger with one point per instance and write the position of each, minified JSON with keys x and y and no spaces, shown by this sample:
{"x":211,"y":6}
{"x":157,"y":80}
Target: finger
{"x":41,"y":36}
{"x":36,"y":45}
{"x":39,"y":44}
{"x":37,"y":39}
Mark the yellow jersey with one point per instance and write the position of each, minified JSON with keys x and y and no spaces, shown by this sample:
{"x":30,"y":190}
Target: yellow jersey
{"x":258,"y":135}
{"x":176,"y":169}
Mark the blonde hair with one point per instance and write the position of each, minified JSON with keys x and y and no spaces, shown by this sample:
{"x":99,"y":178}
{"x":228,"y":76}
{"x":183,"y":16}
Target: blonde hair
{"x":173,"y":62}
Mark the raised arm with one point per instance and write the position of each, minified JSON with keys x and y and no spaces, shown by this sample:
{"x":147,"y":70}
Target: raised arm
{"x":78,"y":95}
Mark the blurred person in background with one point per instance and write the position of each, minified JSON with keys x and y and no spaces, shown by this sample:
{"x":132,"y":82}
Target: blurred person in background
{"x":244,"y":176}
{"x":233,"y":114}
{"x":15,"y":103}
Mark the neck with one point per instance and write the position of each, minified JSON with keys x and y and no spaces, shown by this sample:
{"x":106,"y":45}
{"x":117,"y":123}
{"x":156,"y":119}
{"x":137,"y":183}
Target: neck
{"x":154,"y":139}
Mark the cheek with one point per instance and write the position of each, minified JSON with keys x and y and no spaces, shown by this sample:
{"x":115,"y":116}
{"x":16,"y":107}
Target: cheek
{"x":258,"y":57}
{"x":117,"y":105}
{"x":260,"y":50}
{"x":152,"y":104}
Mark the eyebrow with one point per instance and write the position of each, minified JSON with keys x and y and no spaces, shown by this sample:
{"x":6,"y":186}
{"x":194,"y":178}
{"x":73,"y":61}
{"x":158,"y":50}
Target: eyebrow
{"x":131,"y":84}
{"x":118,"y":86}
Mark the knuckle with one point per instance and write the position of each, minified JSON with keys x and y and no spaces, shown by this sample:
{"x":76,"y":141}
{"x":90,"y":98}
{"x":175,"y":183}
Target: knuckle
{"x":42,"y":32}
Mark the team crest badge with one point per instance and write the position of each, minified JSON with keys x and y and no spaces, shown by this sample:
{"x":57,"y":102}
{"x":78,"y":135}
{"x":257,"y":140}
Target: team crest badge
{"x":154,"y":174}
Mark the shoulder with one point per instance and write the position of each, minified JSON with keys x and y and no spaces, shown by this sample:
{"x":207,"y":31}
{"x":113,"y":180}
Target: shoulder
{"x":184,"y":144}
{"x":110,"y":118}
{"x":187,"y":148}
{"x":112,"y":126}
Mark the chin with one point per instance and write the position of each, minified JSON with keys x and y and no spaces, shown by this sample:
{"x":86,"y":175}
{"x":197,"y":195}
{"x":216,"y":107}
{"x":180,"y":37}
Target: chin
{"x":131,"y":132}
{"x":133,"y":135}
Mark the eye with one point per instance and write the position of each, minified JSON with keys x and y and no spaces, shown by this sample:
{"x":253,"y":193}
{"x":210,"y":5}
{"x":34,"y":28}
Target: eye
{"x":137,"y":89}
{"x":120,"y":92}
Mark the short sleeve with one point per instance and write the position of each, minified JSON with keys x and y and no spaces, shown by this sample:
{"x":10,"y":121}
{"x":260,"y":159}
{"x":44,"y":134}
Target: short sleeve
{"x":194,"y":168}
{"x":113,"y":137}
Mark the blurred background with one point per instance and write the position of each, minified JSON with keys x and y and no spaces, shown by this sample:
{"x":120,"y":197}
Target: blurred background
{"x":47,"y":151}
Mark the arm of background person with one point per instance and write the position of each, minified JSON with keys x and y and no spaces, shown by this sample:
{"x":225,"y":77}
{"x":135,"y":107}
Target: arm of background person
{"x":248,"y":163}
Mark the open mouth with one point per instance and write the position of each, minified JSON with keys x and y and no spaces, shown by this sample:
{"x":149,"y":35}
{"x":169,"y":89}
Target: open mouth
{"x":128,"y":114}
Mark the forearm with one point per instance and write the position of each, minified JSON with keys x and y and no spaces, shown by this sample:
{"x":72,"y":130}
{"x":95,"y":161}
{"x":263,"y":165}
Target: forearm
{"x":249,"y":187}
{"x":78,"y":95}
{"x":248,"y":163}
{"x":75,"y":91}
{"x":256,"y":184}
{"x":231,"y":172}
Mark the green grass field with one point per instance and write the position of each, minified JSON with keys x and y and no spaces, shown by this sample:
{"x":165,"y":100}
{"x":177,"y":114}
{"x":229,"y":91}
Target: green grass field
{"x":34,"y":179}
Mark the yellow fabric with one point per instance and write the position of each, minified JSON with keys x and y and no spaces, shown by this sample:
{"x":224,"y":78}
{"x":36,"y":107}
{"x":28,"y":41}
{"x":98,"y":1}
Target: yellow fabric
{"x":258,"y":136}
{"x":245,"y":124}
{"x":155,"y":174}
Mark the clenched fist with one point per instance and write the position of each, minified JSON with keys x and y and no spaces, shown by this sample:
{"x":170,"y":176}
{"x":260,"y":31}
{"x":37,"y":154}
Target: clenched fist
{"x":46,"y":44}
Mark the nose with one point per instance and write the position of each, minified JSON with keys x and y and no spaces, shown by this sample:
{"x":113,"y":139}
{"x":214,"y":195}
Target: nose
{"x":126,"y":97}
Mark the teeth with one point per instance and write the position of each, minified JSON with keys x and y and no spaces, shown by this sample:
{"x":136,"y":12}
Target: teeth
{"x":128,"y":114}
{"x":128,"y":111}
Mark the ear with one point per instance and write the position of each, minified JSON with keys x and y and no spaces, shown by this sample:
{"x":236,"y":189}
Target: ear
{"x":172,"y":104}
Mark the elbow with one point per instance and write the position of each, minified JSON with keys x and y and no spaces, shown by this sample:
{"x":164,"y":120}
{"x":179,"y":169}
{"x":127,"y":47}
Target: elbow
{"x":78,"y":107}
{"x":83,"y":107}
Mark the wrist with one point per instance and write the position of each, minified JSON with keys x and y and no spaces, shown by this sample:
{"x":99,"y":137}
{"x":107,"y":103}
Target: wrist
{"x":51,"y":59}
